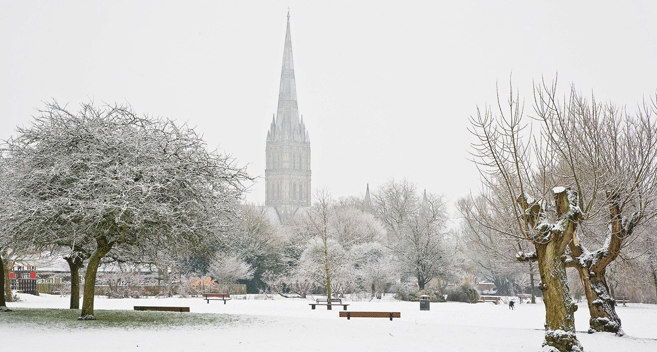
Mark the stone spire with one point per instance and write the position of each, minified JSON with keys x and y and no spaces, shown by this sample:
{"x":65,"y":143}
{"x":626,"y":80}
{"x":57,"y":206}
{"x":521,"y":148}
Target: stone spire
{"x":287,"y":174}
{"x":367,"y":202}
{"x":287,"y":125}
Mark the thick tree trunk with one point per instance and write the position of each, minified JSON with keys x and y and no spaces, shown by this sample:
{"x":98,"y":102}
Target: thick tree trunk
{"x":559,"y":308}
{"x":3,"y":303}
{"x":601,"y":303}
{"x":90,"y":278}
{"x":550,"y":242}
{"x":592,"y":267}
{"x":74,"y":265}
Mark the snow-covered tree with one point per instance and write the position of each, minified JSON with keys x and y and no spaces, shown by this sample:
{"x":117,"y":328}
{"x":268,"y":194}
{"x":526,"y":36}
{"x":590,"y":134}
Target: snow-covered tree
{"x":609,"y":156}
{"x":323,"y":256}
{"x":606,"y":156}
{"x":416,"y":228}
{"x":353,"y":227}
{"x":375,"y":266}
{"x":507,"y":166}
{"x":110,"y":181}
{"x":258,"y":242}
{"x":229,"y":269}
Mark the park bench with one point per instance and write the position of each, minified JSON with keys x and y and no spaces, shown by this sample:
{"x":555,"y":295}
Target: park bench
{"x":221,"y":296}
{"x":328,"y":303}
{"x":350,"y":315}
{"x":494,"y":299}
{"x":163,"y":309}
{"x":622,"y":299}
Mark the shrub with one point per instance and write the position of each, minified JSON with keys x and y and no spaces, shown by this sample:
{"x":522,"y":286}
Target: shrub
{"x":414,"y":296}
{"x":463,"y":293}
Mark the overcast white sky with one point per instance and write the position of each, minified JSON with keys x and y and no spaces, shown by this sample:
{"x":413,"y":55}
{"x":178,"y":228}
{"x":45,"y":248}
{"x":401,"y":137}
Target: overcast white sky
{"x":385,"y":87}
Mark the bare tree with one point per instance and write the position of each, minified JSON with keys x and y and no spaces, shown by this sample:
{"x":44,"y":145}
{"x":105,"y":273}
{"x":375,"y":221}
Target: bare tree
{"x":609,"y":157}
{"x":504,"y":154}
{"x":416,"y":229}
{"x":258,"y":243}
{"x":316,"y":223}
{"x":493,"y":255}
{"x":107,"y":179}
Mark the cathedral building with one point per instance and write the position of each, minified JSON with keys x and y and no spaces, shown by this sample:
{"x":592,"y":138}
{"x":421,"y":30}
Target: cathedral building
{"x":287,"y":173}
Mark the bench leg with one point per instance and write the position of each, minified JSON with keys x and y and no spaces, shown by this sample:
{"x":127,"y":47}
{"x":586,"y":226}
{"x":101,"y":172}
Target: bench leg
{"x":224,"y":301}
{"x":345,"y":307}
{"x":312,"y":306}
{"x":348,"y":315}
{"x":207,"y":300}
{"x":328,"y":307}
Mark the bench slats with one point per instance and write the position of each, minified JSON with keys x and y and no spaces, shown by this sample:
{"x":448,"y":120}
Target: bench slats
{"x":390,"y":315}
{"x":163,"y":309}
{"x":221,"y":296}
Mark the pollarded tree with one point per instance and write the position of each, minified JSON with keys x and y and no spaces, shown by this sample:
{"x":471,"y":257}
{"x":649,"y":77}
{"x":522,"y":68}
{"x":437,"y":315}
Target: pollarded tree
{"x":507,"y":162}
{"x":119,"y":183}
{"x":609,"y":156}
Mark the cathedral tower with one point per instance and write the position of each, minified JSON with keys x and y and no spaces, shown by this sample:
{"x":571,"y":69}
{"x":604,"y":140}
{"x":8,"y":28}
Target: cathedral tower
{"x":287,"y":173}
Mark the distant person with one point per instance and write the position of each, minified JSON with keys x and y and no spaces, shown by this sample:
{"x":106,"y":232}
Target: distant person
{"x":512,"y":304}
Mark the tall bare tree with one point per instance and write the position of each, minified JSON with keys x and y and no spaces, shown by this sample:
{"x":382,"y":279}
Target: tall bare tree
{"x":494,"y":255}
{"x":416,"y":228}
{"x":505,"y":155}
{"x":316,"y":223}
{"x":609,"y":156}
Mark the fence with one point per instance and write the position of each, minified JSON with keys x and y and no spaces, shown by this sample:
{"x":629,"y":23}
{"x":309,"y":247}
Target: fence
{"x":24,"y":285}
{"x":154,"y":290}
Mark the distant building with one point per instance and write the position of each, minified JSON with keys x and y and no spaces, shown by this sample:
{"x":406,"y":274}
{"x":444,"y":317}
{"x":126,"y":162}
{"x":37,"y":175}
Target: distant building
{"x":287,"y":173}
{"x":487,"y":288}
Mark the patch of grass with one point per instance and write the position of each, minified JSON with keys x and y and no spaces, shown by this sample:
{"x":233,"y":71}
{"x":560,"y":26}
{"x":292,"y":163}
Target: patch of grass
{"x":111,"y":319}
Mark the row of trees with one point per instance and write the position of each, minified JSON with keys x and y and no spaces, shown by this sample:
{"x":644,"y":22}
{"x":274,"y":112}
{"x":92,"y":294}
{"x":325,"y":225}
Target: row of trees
{"x":105,"y":185}
{"x":572,"y":186}
{"x":346,"y":245}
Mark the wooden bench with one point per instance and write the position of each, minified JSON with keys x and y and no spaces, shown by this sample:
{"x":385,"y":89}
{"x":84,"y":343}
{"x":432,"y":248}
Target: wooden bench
{"x":328,"y":303}
{"x":622,"y":299}
{"x":350,"y":315}
{"x":163,"y":309}
{"x":221,"y":296}
{"x":484,"y":299}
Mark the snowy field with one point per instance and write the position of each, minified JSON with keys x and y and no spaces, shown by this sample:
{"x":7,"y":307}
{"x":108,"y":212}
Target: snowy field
{"x":290,"y":325}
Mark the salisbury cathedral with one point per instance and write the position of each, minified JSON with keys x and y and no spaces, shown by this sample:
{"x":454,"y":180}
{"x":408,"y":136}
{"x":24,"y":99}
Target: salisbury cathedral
{"x":287,"y":173}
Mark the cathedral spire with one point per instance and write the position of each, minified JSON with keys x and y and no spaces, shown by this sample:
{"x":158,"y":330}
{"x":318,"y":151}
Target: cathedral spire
{"x":367,"y":202}
{"x":287,"y":175}
{"x":287,"y":115}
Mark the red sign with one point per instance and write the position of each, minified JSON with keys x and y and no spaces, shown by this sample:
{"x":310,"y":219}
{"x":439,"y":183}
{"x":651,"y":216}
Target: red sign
{"x":33,"y":275}
{"x":11,"y":275}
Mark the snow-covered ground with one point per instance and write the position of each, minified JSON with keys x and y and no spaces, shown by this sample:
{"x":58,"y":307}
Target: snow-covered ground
{"x":290,"y":325}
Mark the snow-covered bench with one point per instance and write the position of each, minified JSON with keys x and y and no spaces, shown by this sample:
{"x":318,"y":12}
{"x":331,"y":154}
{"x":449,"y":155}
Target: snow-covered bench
{"x":328,"y":303}
{"x":495,"y":299}
{"x":350,"y":315}
{"x":163,"y":309}
{"x":221,"y":296}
